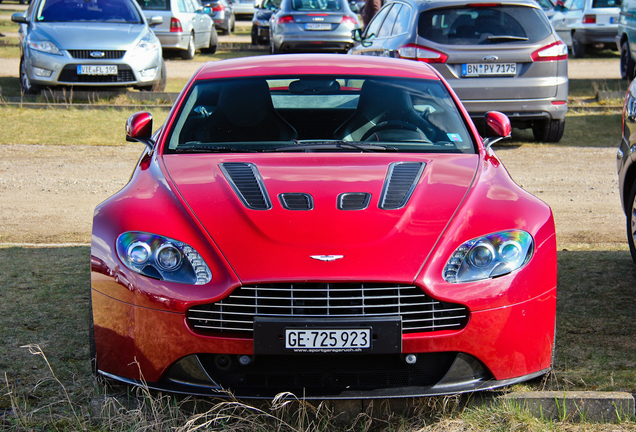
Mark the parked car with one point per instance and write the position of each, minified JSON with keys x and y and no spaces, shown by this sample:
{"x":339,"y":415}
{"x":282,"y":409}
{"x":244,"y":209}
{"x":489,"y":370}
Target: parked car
{"x":185,"y":27}
{"x":626,"y":166}
{"x":244,"y":8}
{"x":102,"y":43}
{"x":500,"y":56}
{"x":311,"y":25}
{"x":626,"y":39}
{"x":327,"y":225}
{"x":222,"y":14}
{"x":583,"y":24}
{"x":260,"y":21}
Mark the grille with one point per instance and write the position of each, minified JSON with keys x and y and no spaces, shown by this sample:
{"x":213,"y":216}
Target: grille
{"x":86,"y":54}
{"x":400,"y":183}
{"x":419,"y":312}
{"x":296,"y":201}
{"x":69,"y":75}
{"x":247,"y":184}
{"x":354,"y":201}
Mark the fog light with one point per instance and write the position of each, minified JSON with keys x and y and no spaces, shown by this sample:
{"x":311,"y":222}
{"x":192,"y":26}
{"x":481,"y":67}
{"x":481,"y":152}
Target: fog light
{"x":148,"y":73}
{"x":244,"y":360}
{"x":410,"y":359}
{"x":42,"y":72}
{"x":222,"y":362}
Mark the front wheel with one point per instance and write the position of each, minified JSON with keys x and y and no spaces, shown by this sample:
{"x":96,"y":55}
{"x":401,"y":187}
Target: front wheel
{"x":627,"y":62}
{"x":548,"y":130}
{"x":631,"y":221}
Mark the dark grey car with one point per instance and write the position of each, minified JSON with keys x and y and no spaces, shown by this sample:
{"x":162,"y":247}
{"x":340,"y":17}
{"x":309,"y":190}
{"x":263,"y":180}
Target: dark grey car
{"x":501,"y":56}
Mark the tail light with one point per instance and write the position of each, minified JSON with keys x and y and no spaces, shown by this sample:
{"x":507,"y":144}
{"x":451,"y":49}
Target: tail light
{"x":285,"y":19}
{"x":347,"y":19}
{"x":218,"y":8}
{"x":420,"y":53}
{"x":589,"y":19}
{"x":175,"y":25}
{"x":555,"y":51}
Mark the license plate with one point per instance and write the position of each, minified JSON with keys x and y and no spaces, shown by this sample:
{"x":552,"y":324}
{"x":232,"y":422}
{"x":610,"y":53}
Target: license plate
{"x":481,"y":69}
{"x":97,"y":70}
{"x":317,"y":26}
{"x":327,"y":340}
{"x":613,"y":20}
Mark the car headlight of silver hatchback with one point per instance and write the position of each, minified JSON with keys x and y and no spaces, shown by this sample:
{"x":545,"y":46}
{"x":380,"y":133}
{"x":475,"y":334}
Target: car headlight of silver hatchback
{"x":162,"y":258}
{"x":489,"y":256}
{"x":146,"y":46}
{"x":44,"y":46}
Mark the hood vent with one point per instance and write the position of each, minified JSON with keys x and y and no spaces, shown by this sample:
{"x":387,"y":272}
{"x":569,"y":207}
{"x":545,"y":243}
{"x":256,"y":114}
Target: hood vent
{"x":400,"y":183}
{"x":247,"y":184}
{"x":296,"y":201}
{"x":354,"y":201}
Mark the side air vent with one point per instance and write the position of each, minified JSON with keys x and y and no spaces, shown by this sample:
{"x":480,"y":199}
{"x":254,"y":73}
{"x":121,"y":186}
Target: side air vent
{"x":354,"y":201}
{"x":247,"y":184}
{"x":400,"y":183}
{"x":296,"y":201}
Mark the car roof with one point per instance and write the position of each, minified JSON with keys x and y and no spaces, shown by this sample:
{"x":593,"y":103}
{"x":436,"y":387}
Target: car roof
{"x":455,"y":3}
{"x":307,"y":64}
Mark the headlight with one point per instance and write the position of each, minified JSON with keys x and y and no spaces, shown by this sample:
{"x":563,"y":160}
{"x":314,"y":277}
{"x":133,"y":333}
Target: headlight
{"x":44,"y":46}
{"x":489,"y":256}
{"x":162,"y":258}
{"x":147,"y":46}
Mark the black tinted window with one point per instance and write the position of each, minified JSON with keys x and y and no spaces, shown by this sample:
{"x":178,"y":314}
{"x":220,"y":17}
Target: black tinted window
{"x":606,"y":3}
{"x":483,"y":25}
{"x":154,"y":4}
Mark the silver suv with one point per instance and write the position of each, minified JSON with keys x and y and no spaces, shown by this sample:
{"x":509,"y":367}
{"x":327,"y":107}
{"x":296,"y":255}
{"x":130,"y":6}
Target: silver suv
{"x":500,"y":56}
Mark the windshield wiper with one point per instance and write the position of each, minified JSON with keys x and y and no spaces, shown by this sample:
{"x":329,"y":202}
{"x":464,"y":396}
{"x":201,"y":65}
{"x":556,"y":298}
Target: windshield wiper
{"x":208,"y":149}
{"x":335,"y":145}
{"x":507,"y":38}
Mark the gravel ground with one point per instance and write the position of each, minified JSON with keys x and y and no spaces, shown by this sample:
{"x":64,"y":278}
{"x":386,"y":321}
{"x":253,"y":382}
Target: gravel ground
{"x":48,"y":193}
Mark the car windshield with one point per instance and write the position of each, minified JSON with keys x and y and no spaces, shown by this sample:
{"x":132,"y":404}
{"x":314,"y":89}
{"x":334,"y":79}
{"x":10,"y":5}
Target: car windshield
{"x":319,"y":113}
{"x":114,"y":11}
{"x":484,"y":25}
{"x":316,"y":5}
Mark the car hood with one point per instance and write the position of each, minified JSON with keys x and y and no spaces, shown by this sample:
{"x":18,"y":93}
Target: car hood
{"x":323,"y":242}
{"x":90,"y":35}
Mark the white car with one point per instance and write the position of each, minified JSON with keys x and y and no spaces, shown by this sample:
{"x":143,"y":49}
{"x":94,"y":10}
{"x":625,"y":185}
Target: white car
{"x":186,"y":26}
{"x":586,"y":23}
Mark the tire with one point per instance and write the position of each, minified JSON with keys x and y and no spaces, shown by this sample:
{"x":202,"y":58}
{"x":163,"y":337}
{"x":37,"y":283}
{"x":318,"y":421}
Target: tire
{"x":627,"y":62}
{"x":578,"y":48}
{"x":232,"y":23}
{"x":214,"y":41}
{"x":188,"y":54}
{"x":631,"y":221}
{"x":272,"y":47}
{"x":25,"y":83}
{"x":548,"y":130}
{"x":254,"y":37}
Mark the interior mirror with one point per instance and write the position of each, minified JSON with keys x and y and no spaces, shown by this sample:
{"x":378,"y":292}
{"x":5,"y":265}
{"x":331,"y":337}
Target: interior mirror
{"x":139,"y":128}
{"x":497,"y":127}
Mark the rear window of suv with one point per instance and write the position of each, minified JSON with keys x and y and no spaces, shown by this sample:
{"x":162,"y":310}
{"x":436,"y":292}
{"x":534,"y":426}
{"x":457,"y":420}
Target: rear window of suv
{"x":484,"y":25}
{"x":605,"y":3}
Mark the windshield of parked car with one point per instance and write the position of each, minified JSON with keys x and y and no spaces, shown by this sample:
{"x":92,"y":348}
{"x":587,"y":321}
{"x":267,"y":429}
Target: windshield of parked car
{"x":484,"y":25}
{"x":316,"y":5}
{"x":114,"y":11}
{"x":319,"y":113}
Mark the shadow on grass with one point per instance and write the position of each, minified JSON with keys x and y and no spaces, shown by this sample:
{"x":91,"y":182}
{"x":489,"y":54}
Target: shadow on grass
{"x":10,"y":86}
{"x":589,"y":87}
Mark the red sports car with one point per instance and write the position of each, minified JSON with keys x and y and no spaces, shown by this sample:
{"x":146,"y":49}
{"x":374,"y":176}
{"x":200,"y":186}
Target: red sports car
{"x":332,"y":226}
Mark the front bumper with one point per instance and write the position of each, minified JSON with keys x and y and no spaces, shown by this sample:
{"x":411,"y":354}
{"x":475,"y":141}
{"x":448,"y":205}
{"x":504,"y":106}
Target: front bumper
{"x":497,"y":347}
{"x":131,"y":70}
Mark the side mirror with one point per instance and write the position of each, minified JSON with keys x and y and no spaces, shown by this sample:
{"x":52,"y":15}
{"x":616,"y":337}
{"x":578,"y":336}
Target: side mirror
{"x":19,"y":17}
{"x":155,"y":20}
{"x":497,"y":127}
{"x":207,"y":10}
{"x":354,"y":8}
{"x":356,"y":35}
{"x":139,"y":129}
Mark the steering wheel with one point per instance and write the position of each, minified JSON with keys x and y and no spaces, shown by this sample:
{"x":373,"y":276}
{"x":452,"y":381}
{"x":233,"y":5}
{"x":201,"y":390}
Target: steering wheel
{"x":398,"y":130}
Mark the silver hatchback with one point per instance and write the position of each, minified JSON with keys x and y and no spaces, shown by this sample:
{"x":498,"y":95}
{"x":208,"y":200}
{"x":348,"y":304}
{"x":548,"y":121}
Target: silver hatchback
{"x":501,"y":56}
{"x":88,"y":43}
